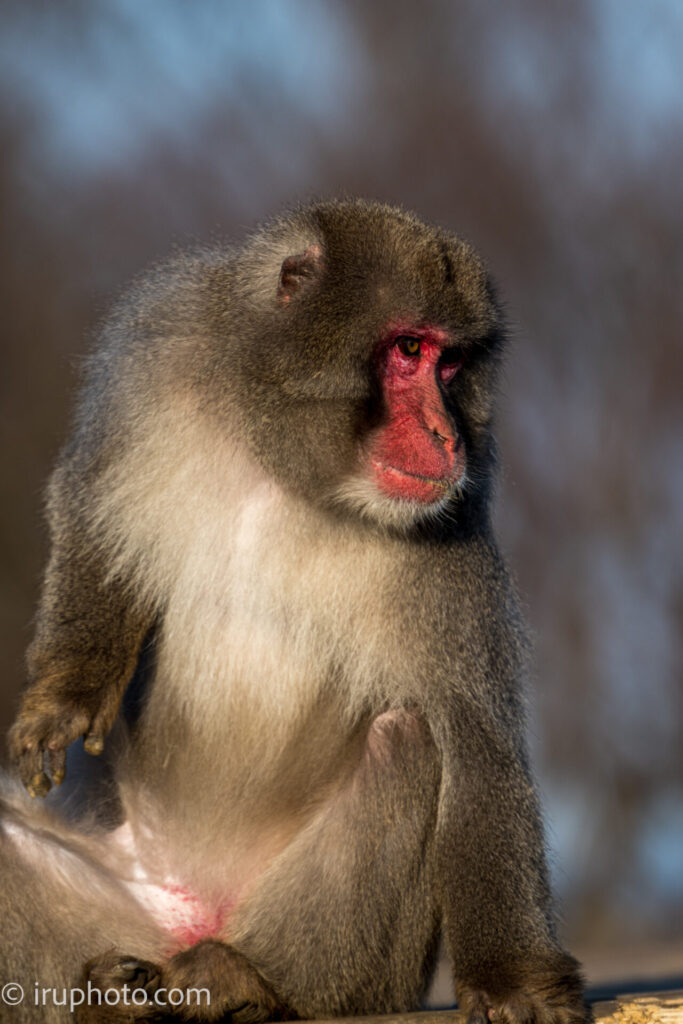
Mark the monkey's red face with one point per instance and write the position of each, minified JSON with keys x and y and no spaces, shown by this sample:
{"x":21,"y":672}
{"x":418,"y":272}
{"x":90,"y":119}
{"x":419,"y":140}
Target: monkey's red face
{"x":417,"y":454}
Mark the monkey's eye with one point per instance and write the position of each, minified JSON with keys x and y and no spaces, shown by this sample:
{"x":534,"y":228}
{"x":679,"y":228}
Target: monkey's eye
{"x":408,"y":346}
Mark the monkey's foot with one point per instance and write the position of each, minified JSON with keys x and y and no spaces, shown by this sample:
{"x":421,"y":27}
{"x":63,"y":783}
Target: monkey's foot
{"x":236,"y":990}
{"x":122,"y":990}
{"x":44,"y":728}
{"x":540,"y":991}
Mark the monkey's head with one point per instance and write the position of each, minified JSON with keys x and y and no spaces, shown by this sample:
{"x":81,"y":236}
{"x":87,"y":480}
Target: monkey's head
{"x":367,"y":363}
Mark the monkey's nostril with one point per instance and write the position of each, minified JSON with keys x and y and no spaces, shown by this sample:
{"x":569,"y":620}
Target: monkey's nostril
{"x":439,"y":437}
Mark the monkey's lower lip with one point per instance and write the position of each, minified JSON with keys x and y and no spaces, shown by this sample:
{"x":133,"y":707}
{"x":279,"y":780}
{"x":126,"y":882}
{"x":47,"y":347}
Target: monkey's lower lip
{"x":399,"y":483}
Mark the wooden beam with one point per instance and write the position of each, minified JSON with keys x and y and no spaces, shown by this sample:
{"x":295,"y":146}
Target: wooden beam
{"x":652,"y":1008}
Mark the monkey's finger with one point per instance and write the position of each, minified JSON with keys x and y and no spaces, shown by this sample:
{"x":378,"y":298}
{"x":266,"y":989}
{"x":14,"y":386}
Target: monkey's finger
{"x":30,"y":763}
{"x":94,"y":742}
{"x":57,"y":763}
{"x":40,"y":785}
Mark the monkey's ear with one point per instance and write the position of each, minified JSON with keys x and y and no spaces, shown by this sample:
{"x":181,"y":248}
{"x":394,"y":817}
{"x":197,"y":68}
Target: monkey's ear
{"x":298,"y":272}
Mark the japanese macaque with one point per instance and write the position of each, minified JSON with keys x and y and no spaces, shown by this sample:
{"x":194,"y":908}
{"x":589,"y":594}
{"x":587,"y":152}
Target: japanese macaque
{"x":278,"y":490}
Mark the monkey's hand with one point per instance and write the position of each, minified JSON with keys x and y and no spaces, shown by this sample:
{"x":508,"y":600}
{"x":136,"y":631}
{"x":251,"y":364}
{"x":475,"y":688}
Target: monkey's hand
{"x":540,"y":990}
{"x":53,"y":715}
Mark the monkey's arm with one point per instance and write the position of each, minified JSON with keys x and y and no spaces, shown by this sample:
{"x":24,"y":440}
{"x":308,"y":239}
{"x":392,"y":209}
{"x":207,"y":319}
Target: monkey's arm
{"x":492,"y":875}
{"x":84,"y":652}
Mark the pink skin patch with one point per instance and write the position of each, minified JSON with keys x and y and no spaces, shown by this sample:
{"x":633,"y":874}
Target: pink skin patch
{"x":190,"y":920}
{"x":175,"y":907}
{"x":388,"y":730}
{"x":182,"y":912}
{"x":417,"y":455}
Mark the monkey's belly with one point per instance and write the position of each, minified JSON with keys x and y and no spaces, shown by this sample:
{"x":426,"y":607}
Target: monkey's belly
{"x":393,"y":739}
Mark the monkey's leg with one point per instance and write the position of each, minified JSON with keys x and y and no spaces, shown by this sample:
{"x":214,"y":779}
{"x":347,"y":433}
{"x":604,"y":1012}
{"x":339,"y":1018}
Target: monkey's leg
{"x":60,"y":905}
{"x":494,"y":892}
{"x":88,"y":637}
{"x":344,"y":921}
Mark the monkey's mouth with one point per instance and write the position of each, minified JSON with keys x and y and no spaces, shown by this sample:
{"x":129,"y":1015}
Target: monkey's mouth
{"x":400,"y":483}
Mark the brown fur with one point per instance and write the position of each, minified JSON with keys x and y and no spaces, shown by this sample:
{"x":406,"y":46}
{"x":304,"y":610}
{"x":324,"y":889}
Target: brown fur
{"x":331,"y":744}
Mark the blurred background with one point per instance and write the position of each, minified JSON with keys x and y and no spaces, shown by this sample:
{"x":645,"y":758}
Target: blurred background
{"x":551,"y":135}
